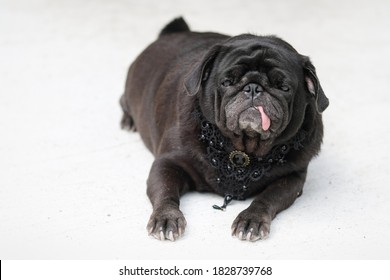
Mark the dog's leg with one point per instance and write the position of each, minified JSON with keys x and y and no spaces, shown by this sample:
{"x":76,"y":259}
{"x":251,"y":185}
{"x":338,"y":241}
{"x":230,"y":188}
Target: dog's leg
{"x":254,"y":222}
{"x":127,"y":121}
{"x":166,"y":182}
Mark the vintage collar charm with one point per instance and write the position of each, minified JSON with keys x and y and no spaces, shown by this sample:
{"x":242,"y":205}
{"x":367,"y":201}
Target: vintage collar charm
{"x":236,"y":171}
{"x":239,"y":159}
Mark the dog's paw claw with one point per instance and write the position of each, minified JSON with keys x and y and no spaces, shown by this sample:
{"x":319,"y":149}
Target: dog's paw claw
{"x":166,"y":224}
{"x":251,"y":226}
{"x":170,"y":236}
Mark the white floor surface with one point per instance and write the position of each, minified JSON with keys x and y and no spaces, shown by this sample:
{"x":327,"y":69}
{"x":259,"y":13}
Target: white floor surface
{"x":72,"y":184}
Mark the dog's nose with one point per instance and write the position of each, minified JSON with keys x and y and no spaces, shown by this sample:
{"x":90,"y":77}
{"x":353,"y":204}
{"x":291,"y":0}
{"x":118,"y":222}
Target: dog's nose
{"x":252,"y":90}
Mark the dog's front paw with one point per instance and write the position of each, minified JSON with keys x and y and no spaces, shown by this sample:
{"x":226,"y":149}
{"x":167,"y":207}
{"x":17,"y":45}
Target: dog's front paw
{"x":252,"y":224}
{"x":166,"y":223}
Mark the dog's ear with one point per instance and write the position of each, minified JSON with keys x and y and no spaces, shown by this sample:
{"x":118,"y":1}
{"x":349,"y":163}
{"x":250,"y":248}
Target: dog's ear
{"x":313,"y":85}
{"x":200,"y":72}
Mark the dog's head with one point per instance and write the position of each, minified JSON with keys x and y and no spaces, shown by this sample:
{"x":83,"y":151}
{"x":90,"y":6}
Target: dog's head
{"x":255,"y":89}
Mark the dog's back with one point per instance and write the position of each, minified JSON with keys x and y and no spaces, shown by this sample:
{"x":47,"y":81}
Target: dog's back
{"x":152,"y":82}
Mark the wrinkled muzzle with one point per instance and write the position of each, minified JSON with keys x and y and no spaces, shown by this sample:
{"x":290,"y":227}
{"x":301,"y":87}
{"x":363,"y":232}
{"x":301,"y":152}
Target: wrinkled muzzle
{"x":260,"y":116}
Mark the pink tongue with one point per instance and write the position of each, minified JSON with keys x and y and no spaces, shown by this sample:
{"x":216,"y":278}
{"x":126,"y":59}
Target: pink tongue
{"x":265,"y":121}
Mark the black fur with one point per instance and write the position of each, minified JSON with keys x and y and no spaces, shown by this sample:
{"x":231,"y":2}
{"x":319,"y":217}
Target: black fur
{"x":177,"y":25}
{"x":257,"y":90}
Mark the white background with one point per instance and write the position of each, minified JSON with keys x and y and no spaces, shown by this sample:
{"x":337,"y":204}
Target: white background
{"x":72,"y":184}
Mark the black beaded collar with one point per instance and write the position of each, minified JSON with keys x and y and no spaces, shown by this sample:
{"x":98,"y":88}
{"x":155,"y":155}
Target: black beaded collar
{"x":235,"y":170}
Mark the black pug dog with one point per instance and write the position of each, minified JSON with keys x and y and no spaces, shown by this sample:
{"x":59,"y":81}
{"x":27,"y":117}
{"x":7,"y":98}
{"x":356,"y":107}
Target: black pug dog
{"x":238,"y":116}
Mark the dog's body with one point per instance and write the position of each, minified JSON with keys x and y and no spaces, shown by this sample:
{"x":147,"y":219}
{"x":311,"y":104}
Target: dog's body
{"x":238,"y":116}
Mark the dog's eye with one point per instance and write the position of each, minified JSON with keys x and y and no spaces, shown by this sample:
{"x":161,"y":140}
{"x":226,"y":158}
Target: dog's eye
{"x":227,"y":83}
{"x":285,"y":88}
